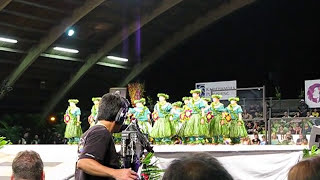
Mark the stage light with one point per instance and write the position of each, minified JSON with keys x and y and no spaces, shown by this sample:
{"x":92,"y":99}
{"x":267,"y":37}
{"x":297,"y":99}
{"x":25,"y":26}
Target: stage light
{"x":74,"y":51}
{"x":70,"y":32}
{"x":117,"y":58}
{"x":8,"y":40}
{"x":52,"y":119}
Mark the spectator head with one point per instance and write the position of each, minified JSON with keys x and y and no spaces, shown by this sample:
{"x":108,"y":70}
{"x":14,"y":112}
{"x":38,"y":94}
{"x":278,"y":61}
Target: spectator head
{"x":285,"y":114}
{"x":246,"y":140}
{"x":297,"y":125}
{"x":306,"y":125}
{"x":290,"y":128}
{"x":315,"y":110}
{"x":27,"y":165}
{"x":197,"y":166}
{"x":288,"y":136}
{"x":305,"y":141}
{"x":308,"y":114}
{"x":274,"y":136}
{"x":36,"y":137}
{"x":256,"y":136}
{"x":281,"y":127}
{"x":300,"y":136}
{"x":26,"y":135}
{"x":245,"y":111}
{"x":305,"y":170}
{"x":263,"y":137}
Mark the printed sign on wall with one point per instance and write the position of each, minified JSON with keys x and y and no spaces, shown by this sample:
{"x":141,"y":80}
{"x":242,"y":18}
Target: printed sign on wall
{"x":225,"y":88}
{"x":312,"y":93}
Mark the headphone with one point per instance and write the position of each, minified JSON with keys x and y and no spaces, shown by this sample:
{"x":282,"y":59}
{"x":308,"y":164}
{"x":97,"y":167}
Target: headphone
{"x":122,"y":113}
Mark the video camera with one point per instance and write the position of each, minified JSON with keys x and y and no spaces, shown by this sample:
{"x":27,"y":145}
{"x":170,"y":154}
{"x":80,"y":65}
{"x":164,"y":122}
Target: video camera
{"x":133,"y":144}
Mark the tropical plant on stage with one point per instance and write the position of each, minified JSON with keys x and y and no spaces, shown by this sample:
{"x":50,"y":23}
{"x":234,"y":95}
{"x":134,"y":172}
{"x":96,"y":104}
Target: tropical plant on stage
{"x":3,"y":142}
{"x":149,"y":170}
{"x":278,"y":93}
{"x":12,"y":133}
{"x":301,"y":95}
{"x":136,"y":91}
{"x":314,"y":151}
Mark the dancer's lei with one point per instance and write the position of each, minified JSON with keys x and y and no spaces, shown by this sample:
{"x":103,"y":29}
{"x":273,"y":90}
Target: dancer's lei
{"x":230,"y":107}
{"x":213,"y":105}
{"x":73,"y":117}
{"x":142,"y":112}
{"x":161,"y":110}
{"x":94,"y":111}
{"x":194,"y":107}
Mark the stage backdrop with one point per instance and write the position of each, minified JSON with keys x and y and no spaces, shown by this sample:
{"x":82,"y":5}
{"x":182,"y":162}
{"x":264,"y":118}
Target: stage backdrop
{"x":225,"y":88}
{"x":312,"y":93}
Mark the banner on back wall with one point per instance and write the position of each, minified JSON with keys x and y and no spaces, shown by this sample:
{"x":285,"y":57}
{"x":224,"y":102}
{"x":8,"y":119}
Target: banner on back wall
{"x":122,"y":91}
{"x":312,"y":93}
{"x":225,"y":88}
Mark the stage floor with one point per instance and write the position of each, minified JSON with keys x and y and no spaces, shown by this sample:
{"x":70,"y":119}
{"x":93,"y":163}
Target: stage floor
{"x":59,"y":160}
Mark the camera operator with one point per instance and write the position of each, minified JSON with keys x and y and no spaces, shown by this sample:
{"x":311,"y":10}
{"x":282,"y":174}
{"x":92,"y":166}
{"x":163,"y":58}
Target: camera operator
{"x":97,"y":154}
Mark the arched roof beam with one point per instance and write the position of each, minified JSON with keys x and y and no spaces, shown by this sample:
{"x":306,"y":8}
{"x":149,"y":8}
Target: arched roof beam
{"x":186,"y":32}
{"x":105,"y":49}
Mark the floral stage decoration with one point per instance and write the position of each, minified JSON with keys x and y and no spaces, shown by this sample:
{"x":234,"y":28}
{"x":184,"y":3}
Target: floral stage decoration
{"x":314,"y":151}
{"x":136,"y":91}
{"x":149,"y":169}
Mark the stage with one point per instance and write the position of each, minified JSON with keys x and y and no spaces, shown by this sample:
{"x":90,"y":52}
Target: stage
{"x":242,"y":161}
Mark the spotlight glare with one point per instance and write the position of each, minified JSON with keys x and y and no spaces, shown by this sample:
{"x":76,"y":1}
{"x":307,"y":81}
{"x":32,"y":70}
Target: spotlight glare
{"x":71,"y":32}
{"x":8,"y":40}
{"x":117,"y":58}
{"x":52,"y":119}
{"x":74,"y":51}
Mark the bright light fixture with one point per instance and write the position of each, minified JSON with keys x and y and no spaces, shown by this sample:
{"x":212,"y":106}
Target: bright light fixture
{"x":71,"y":32}
{"x":66,"y":50}
{"x":52,"y":118}
{"x":117,"y":58}
{"x":8,"y":40}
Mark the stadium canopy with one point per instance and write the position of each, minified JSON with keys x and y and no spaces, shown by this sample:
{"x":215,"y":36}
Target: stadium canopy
{"x":51,"y":48}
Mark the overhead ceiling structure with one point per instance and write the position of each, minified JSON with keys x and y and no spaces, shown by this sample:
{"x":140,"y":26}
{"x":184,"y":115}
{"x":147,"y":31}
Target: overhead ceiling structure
{"x":36,"y":75}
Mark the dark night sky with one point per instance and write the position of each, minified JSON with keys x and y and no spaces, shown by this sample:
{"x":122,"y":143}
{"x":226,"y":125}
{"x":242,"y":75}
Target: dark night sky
{"x":272,"y":43}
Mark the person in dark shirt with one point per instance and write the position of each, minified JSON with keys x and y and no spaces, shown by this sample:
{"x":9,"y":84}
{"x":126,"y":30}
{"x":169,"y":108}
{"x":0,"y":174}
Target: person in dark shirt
{"x":303,"y":108}
{"x":256,"y":140}
{"x":97,"y":158}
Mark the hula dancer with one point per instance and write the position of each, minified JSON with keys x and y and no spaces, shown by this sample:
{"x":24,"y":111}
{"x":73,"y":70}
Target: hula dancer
{"x":142,"y":114}
{"x":186,"y":101}
{"x":186,"y":110}
{"x":94,"y":111}
{"x":196,"y":127}
{"x":72,"y":119}
{"x":207,"y":106}
{"x":237,"y":128}
{"x":208,"y":116}
{"x":162,"y":130}
{"x":175,"y":114}
{"x":217,"y":109}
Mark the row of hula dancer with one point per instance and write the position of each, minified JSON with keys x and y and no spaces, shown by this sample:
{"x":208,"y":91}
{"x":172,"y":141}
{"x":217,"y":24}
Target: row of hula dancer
{"x":73,"y":130}
{"x":194,"y":122}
